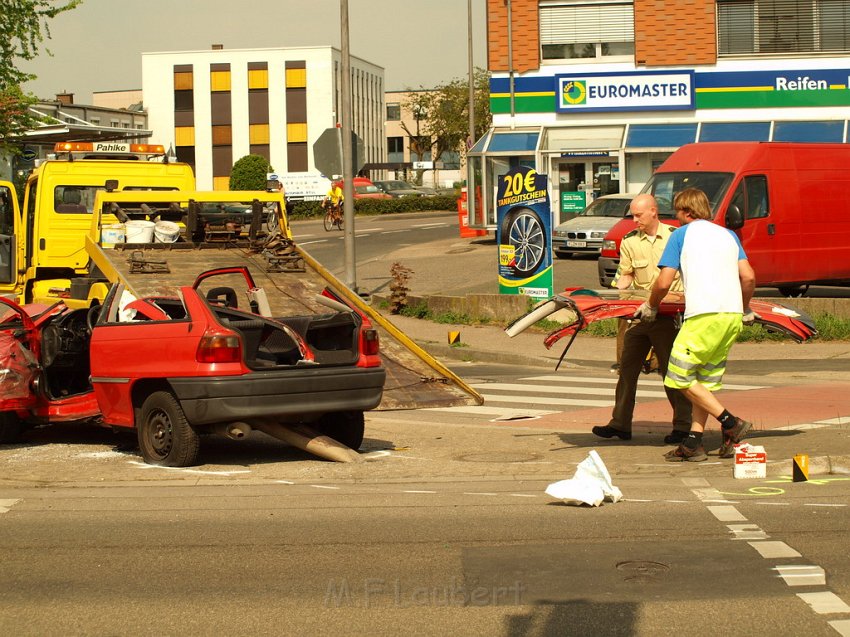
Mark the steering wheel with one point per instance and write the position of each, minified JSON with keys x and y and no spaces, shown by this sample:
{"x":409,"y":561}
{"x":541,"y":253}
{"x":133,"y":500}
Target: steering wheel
{"x":92,"y":315}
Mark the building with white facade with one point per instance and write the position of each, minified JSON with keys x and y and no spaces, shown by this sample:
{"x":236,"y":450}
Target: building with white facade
{"x":216,"y":106}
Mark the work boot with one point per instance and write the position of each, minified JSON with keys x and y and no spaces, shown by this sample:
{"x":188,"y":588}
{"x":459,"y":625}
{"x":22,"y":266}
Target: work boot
{"x":607,"y":431}
{"x":733,"y":436}
{"x":686,"y":454}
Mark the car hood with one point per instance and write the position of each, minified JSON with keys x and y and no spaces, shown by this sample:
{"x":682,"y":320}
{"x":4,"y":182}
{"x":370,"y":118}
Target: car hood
{"x":585,"y":224}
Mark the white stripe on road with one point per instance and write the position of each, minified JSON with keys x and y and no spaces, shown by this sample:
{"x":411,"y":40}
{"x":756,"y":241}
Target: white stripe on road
{"x":430,"y":225}
{"x":546,"y":400}
{"x":747,"y":532}
{"x":727,"y":514}
{"x":804,"y":575}
{"x":841,"y":626}
{"x":772,"y":550}
{"x":497,"y":411}
{"x":647,"y":379}
{"x":825,"y":602}
{"x":5,"y":505}
{"x":545,"y":389}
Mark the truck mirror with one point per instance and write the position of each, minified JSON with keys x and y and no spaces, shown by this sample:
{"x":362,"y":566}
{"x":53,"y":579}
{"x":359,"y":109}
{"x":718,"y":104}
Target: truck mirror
{"x":111,"y":185}
{"x":734,"y":217}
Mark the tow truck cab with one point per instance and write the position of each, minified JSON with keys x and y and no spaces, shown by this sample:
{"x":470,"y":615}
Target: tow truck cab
{"x":787,"y":202}
{"x":43,"y":258}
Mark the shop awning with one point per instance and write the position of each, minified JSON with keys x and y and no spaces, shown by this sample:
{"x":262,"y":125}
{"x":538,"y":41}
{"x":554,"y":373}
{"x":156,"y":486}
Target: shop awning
{"x":583,"y":138}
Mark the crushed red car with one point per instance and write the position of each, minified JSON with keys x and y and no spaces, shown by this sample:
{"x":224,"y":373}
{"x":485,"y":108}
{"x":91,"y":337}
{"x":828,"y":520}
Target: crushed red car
{"x":177,"y":367}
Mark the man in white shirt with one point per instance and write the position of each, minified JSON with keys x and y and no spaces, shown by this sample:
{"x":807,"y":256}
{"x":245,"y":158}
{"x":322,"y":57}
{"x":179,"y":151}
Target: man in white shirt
{"x":719,"y":283}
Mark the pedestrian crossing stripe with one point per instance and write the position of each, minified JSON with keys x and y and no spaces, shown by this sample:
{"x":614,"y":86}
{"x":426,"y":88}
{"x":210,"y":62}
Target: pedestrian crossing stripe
{"x":642,"y":380}
{"x":546,"y":400}
{"x":566,"y":389}
{"x":490,"y":410}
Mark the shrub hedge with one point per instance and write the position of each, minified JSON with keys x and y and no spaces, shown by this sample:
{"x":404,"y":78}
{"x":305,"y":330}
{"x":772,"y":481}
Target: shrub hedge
{"x":311,"y":209}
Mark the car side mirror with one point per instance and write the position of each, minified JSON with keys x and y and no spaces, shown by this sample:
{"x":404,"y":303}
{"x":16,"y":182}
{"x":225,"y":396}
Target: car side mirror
{"x":734,"y":217}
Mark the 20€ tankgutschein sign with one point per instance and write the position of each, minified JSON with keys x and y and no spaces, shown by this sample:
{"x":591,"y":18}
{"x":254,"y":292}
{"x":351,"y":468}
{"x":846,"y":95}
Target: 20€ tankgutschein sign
{"x":524,"y":219}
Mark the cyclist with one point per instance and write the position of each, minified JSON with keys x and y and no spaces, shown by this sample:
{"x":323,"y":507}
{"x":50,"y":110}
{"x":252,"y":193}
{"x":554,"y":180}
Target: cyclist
{"x":334,"y":199}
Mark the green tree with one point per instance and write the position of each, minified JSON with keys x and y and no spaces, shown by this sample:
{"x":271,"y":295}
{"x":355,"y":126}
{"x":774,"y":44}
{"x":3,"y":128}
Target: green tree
{"x":249,"y":173}
{"x":442,"y":115}
{"x":23,"y":28}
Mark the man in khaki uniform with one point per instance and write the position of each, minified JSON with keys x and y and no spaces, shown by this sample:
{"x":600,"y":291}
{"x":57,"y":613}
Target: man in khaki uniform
{"x":640,"y":251}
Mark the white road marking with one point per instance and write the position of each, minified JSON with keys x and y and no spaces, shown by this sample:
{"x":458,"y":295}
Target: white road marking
{"x":547,"y":389}
{"x":771,"y":550}
{"x":547,"y":400}
{"x":284,"y":482}
{"x":834,"y":421}
{"x":5,"y":505}
{"x":323,"y":486}
{"x":496,"y":411}
{"x":801,"y":427}
{"x":478,"y":493}
{"x":644,"y":379}
{"x":710,"y":493}
{"x":841,"y":626}
{"x":824,"y":602}
{"x":393,"y":231}
{"x":695,"y":482}
{"x":143,"y":465}
{"x":747,"y":532}
{"x":815,"y":504}
{"x":430,"y":225}
{"x":417,"y":491}
{"x":727,"y":514}
{"x":804,"y":575}
{"x":522,"y":495}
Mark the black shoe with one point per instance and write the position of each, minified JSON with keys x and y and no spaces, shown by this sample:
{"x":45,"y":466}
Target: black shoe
{"x":607,"y":431}
{"x":675,"y":437}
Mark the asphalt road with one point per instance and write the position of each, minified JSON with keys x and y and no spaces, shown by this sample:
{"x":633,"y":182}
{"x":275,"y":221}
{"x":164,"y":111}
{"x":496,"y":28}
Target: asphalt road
{"x":444,"y":263}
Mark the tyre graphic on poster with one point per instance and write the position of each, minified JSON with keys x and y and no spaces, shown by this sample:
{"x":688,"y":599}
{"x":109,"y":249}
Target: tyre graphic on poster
{"x":524,"y":220}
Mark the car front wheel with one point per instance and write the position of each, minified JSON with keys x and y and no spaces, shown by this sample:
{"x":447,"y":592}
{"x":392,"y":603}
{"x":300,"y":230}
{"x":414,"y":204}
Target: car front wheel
{"x":346,"y":427}
{"x":165,"y":436}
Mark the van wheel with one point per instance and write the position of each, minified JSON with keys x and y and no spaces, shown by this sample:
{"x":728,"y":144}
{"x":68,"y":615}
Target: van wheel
{"x":165,"y":436}
{"x":793,"y":291}
{"x":10,"y":427}
{"x":523,"y":229}
{"x":346,"y":427}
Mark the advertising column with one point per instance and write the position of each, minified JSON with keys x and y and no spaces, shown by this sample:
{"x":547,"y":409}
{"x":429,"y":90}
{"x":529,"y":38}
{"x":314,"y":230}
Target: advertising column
{"x":524,"y":232}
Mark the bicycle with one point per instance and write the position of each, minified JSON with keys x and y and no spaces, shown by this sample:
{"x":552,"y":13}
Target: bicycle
{"x":333,"y":216}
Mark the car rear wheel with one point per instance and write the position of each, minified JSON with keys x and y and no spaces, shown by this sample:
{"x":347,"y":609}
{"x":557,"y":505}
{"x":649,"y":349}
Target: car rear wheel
{"x":165,"y":436}
{"x":793,"y":291}
{"x":10,"y":427}
{"x":346,"y":427}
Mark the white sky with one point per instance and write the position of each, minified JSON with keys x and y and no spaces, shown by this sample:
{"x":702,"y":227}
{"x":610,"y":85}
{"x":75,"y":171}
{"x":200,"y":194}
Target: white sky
{"x":97,"y":46}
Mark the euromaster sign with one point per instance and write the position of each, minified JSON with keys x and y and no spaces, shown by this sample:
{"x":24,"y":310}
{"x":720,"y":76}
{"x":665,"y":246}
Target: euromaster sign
{"x":625,"y":92}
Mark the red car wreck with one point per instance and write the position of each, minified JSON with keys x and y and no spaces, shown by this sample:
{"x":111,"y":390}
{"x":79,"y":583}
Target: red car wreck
{"x":199,"y":362}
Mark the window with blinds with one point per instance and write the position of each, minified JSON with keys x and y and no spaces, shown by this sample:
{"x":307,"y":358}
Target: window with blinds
{"x":782,"y":26}
{"x":570,"y":30}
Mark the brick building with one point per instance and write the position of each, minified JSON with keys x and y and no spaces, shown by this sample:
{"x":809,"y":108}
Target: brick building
{"x":597,"y":93}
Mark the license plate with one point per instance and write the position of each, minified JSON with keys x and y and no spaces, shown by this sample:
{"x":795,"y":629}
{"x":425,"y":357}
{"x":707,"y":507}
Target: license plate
{"x":576,"y":244}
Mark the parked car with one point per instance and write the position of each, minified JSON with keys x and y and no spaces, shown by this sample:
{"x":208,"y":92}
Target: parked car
{"x":397,"y":188}
{"x":365,"y":189}
{"x":584,"y":233}
{"x":175,"y":368}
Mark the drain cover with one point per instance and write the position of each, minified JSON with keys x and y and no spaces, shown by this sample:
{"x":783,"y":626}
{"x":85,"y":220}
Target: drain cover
{"x":639,"y":571}
{"x":498,"y":456}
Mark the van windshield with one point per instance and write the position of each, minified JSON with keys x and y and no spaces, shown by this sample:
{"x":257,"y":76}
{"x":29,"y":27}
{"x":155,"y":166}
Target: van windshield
{"x":665,"y":186}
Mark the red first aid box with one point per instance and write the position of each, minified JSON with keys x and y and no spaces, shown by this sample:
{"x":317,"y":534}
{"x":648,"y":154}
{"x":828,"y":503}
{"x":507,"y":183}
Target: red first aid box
{"x":750,"y":461}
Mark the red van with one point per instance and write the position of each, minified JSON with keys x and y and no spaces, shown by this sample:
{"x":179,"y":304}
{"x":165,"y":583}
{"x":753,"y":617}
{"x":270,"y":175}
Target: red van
{"x":788,"y":202}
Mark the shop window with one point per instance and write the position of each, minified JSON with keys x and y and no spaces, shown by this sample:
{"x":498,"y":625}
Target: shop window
{"x":808,"y":131}
{"x":582,"y":30}
{"x":782,"y":26}
{"x":660,"y":135}
{"x":735,"y":132}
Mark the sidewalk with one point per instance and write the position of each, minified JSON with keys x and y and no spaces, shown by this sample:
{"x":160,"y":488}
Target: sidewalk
{"x":802,"y":405}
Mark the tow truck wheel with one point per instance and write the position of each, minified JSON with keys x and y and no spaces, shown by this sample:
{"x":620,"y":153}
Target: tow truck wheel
{"x":345,"y":427}
{"x":10,"y":427}
{"x":165,"y":436}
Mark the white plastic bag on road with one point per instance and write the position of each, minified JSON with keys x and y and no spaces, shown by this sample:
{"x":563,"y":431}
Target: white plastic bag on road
{"x":591,"y":484}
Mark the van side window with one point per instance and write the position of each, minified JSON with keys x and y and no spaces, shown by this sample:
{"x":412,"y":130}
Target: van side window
{"x":751,"y":197}
{"x":7,"y":211}
{"x":757,"y":203}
